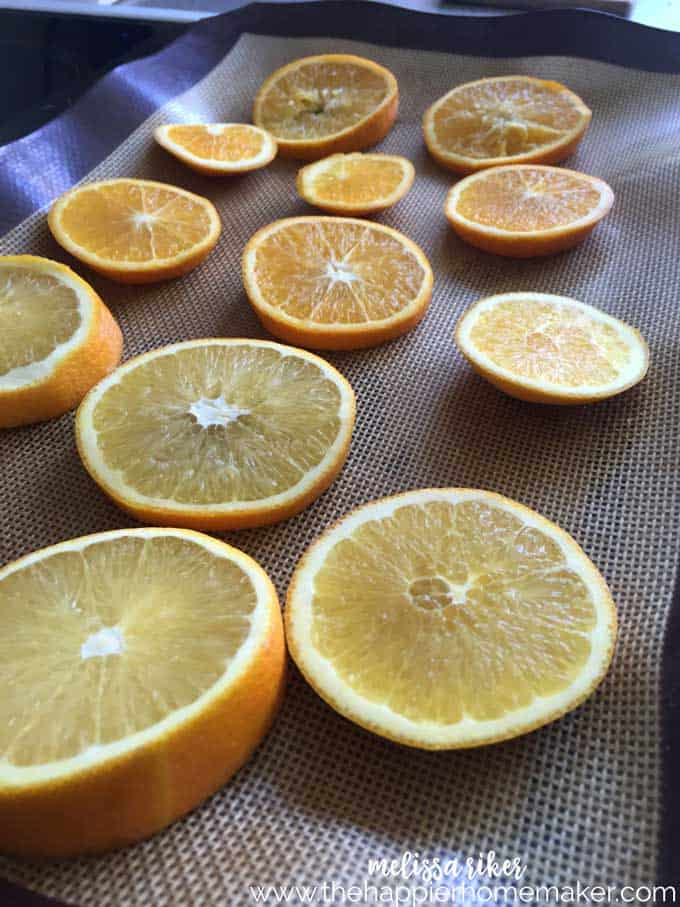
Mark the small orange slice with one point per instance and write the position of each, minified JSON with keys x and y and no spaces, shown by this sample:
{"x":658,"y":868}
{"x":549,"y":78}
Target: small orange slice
{"x":551,"y":349}
{"x":336,"y":282}
{"x":319,"y":105}
{"x":57,"y":339}
{"x":217,"y":148}
{"x":523,"y":210}
{"x":511,"y":119}
{"x":357,"y":184}
{"x":135,"y":231}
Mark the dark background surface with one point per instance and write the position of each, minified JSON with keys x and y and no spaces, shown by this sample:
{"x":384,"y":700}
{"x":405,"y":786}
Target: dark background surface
{"x":52,"y":59}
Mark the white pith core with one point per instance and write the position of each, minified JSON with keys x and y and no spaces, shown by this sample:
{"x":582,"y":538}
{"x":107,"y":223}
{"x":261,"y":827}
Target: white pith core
{"x":107,"y":641}
{"x":339,"y":272}
{"x":217,"y":411}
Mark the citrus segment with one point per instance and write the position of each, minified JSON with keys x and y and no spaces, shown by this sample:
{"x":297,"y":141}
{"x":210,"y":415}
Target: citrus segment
{"x":335,"y":282}
{"x":510,"y":119}
{"x":448,"y":618}
{"x":216,"y":148}
{"x":331,"y":102}
{"x":140,"y":668}
{"x":527,"y":210}
{"x":219,"y":434}
{"x":551,"y":349}
{"x":356,"y":183}
{"x":135,"y":231}
{"x":57,"y":339}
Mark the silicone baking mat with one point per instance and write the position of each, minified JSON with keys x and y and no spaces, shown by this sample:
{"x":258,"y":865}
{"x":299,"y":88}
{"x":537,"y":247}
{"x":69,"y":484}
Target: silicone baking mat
{"x":588,"y":799}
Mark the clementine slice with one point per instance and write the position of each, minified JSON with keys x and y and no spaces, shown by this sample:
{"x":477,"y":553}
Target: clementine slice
{"x":218,"y":148}
{"x":356,"y":184}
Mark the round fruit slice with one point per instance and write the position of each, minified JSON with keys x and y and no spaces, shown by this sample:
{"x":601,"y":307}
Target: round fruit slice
{"x":449,"y":618}
{"x":57,"y":339}
{"x":524,"y":210}
{"x":217,"y":434}
{"x":333,"y":102}
{"x":135,"y":231}
{"x":139,"y":669}
{"x":551,"y":349}
{"x":357,"y":183}
{"x":511,"y":119}
{"x":216,"y":148}
{"x":336,"y":282}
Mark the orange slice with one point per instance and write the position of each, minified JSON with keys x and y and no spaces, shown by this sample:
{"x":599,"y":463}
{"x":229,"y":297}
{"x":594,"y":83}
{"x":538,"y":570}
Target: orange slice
{"x":524,"y":210}
{"x":135,"y":231}
{"x":332,"y":102}
{"x":57,"y":339}
{"x":449,"y":618}
{"x":217,"y":434}
{"x":551,"y":349}
{"x":336,"y":282}
{"x":216,"y":148}
{"x":356,"y":183}
{"x":511,"y":119}
{"x":139,"y":668}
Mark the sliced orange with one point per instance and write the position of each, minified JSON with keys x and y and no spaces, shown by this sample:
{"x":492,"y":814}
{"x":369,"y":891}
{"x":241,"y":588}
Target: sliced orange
{"x":139,"y":670}
{"x":356,"y":183}
{"x":57,"y":339}
{"x":217,"y":434}
{"x":135,"y":231}
{"x":523,"y":210}
{"x":449,"y":618}
{"x":551,"y":349}
{"x":504,"y":120}
{"x":336,"y":282}
{"x":216,"y":148}
{"x":320,"y":105}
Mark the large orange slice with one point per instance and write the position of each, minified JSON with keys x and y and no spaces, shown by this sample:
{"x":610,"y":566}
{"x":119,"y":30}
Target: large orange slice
{"x":523,"y":210}
{"x":509,"y":119}
{"x":139,"y":670}
{"x":448,"y":618}
{"x":57,"y":339}
{"x":135,"y":231}
{"x":320,"y":105}
{"x":336,"y":282}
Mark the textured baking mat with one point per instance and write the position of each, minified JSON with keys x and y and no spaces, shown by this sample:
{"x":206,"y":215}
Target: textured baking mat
{"x":578,"y":800}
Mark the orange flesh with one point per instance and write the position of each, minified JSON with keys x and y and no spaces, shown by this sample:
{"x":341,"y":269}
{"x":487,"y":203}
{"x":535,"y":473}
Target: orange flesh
{"x":527,"y":200}
{"x":218,"y":143}
{"x":445,"y":610}
{"x":561,"y":345}
{"x":335,"y":272}
{"x":126,"y":222}
{"x":37,"y":314}
{"x":505,"y":118}
{"x":357,"y":180}
{"x":113,"y":637}
{"x":319,"y":99}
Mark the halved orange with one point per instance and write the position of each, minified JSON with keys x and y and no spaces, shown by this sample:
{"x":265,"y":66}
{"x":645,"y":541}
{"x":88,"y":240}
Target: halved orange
{"x":218,"y":148}
{"x":320,"y":105}
{"x":551,"y":349}
{"x":356,"y":184}
{"x":217,"y":434}
{"x":336,"y":282}
{"x":523,"y":210}
{"x":449,"y":617}
{"x":139,"y":668}
{"x":57,"y":339}
{"x":504,"y":120}
{"x":135,"y":231}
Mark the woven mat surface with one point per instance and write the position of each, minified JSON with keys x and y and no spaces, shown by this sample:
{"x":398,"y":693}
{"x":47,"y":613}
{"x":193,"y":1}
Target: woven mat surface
{"x":578,"y":799}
